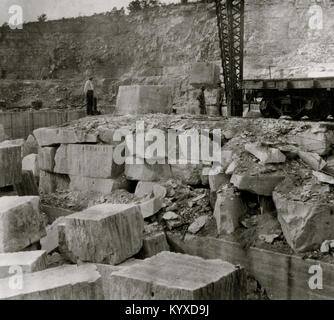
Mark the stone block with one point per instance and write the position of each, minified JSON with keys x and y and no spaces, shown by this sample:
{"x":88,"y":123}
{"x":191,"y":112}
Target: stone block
{"x":146,"y":172}
{"x":10,"y":165}
{"x":153,"y":244}
{"x":93,"y":161}
{"x":21,"y":223}
{"x":30,"y":146}
{"x":262,"y":185}
{"x":147,"y":188}
{"x":313,"y":160}
{"x":100,"y":185}
{"x":29,"y":261}
{"x":28,"y":185}
{"x":173,"y":276}
{"x":51,"y":182}
{"x":114,"y":233}
{"x":150,"y":207}
{"x":229,"y":209}
{"x":30,"y":163}
{"x":217,"y":180}
{"x":143,"y":99}
{"x":204,"y":74}
{"x":265,"y":154}
{"x":46,"y":158}
{"x":54,"y":136}
{"x":67,"y":282}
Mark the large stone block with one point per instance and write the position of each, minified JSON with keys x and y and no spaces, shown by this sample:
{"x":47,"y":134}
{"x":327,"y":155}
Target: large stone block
{"x":30,"y":163}
{"x":53,"y":136}
{"x":204,"y":73}
{"x":10,"y":165}
{"x":153,"y":244}
{"x":142,"y":99}
{"x":67,"y":282}
{"x":146,"y":172}
{"x":114,"y":233}
{"x":51,"y":182}
{"x":21,"y":223}
{"x":29,"y":261}
{"x":173,"y":276}
{"x":46,"y":158}
{"x":30,"y":146}
{"x":229,"y":208}
{"x":28,"y":185}
{"x":93,"y":161}
{"x":104,"y":186}
{"x":147,"y":188}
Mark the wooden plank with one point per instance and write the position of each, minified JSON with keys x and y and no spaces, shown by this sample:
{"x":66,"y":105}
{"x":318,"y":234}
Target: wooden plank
{"x":285,"y":277}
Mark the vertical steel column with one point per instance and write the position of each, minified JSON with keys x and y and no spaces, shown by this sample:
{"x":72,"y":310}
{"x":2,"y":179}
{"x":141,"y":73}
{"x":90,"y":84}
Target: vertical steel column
{"x":230,"y":21}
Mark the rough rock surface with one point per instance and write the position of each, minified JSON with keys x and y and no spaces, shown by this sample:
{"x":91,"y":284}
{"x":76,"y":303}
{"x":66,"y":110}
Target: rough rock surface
{"x":105,"y":233}
{"x":21,"y":223}
{"x":175,"y":276}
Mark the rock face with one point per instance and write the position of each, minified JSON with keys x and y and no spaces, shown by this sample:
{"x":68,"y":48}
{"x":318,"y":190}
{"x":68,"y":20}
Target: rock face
{"x":52,"y":136}
{"x":265,"y":154}
{"x":29,"y":261}
{"x":143,"y":99}
{"x":67,"y":282}
{"x":21,"y":223}
{"x":87,"y":161}
{"x":153,"y":244}
{"x":173,"y":276}
{"x":262,"y":185}
{"x":104,"y":186}
{"x":10,"y":165}
{"x":46,"y":158}
{"x":204,"y":74}
{"x":229,"y":209}
{"x":305,"y":224}
{"x":106,"y":233}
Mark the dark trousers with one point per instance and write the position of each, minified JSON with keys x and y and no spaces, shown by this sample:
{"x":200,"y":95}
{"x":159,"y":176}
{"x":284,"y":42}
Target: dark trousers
{"x":90,"y":102}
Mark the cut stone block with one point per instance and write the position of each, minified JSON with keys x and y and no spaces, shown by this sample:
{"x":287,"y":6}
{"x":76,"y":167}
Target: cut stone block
{"x":28,"y":185}
{"x":305,"y":225}
{"x":21,"y":223}
{"x":228,"y":210}
{"x":313,"y":160}
{"x":10,"y":165}
{"x":87,"y":161}
{"x":46,"y":158}
{"x":30,"y":163}
{"x":150,"y":207}
{"x":51,"y":241}
{"x":51,"y":182}
{"x":146,"y":172}
{"x":29,"y":261}
{"x":143,"y":99}
{"x":53,"y":136}
{"x":11,"y":143}
{"x":67,"y":282}
{"x":203,"y":73}
{"x":265,"y":154}
{"x":104,"y":186}
{"x":153,"y":244}
{"x":147,"y":188}
{"x":114,"y":233}
{"x":262,"y":185}
{"x":173,"y":276}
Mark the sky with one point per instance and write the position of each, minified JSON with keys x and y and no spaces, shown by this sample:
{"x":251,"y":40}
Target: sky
{"x":57,"y":9}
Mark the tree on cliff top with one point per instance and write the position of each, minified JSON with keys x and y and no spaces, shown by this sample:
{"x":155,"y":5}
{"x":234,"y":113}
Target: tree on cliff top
{"x":137,"y":5}
{"x":42,"y":18}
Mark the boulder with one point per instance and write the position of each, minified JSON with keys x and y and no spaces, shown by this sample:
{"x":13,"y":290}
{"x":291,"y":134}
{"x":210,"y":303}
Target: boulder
{"x":262,"y":185}
{"x":305,"y":224}
{"x":29,"y":261}
{"x":114,"y":233}
{"x":10,"y":165}
{"x":146,"y":172}
{"x":51,"y":182}
{"x":93,"y":161}
{"x":67,"y":282}
{"x":313,"y":160}
{"x":46,"y":158}
{"x":21,"y":223}
{"x":265,"y":154}
{"x":153,"y":244}
{"x":104,"y":186}
{"x":229,"y":209}
{"x":174,"y":276}
{"x":54,"y":136}
{"x":143,"y":99}
{"x":30,"y":163}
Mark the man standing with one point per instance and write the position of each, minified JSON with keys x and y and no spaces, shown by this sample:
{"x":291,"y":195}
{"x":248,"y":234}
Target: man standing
{"x":89,"y":94}
{"x":220,"y":97}
{"x":201,"y":101}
